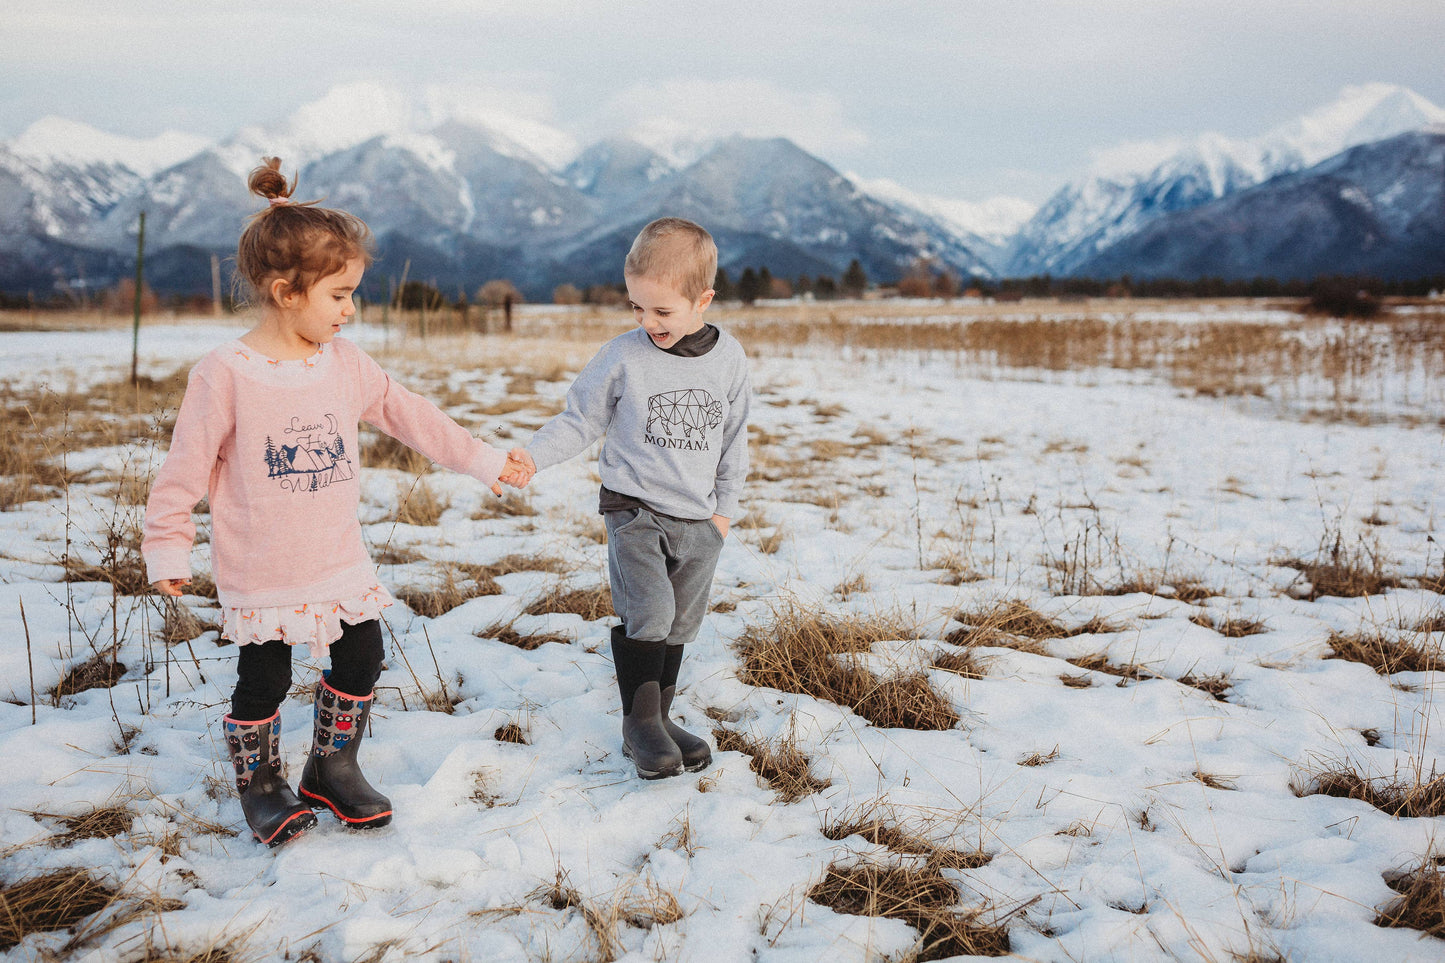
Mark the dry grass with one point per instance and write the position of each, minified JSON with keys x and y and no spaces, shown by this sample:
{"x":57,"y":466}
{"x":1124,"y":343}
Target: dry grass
{"x":418,"y":504}
{"x":879,"y":825}
{"x":57,"y":900}
{"x":1216,"y":685}
{"x":380,"y":450}
{"x":512,"y":732}
{"x":921,"y":897}
{"x":590,"y":603}
{"x":1014,"y":624}
{"x":1421,"y":905}
{"x":1213,"y":781}
{"x":459,"y":583}
{"x":814,"y":654}
{"x":1039,"y":758}
{"x":183,"y":625}
{"x":1229,"y":628}
{"x":964,"y":663}
{"x":100,"y":671}
{"x":1099,"y":662}
{"x":1385,"y":656}
{"x":511,"y":503}
{"x":508,"y":635}
{"x":103,"y":822}
{"x":1412,"y":798}
{"x":779,"y":761}
{"x":1343,"y":570}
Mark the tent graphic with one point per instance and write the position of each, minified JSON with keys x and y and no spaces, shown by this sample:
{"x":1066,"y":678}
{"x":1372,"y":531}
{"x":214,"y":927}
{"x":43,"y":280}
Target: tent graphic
{"x":313,"y":462}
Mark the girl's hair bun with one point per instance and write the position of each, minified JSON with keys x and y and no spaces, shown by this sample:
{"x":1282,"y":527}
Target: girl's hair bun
{"x":268,"y":181}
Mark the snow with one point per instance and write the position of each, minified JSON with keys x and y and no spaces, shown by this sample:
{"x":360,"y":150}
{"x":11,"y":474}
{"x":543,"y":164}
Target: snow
{"x":995,"y":219}
{"x":56,"y":140}
{"x":1109,"y":850}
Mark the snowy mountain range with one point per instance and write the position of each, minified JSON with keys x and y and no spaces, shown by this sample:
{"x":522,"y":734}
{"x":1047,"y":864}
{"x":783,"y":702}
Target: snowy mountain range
{"x":1133,"y":187}
{"x":465,"y":194}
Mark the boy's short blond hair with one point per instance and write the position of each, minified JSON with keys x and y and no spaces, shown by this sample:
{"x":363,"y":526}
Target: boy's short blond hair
{"x":675,"y":250}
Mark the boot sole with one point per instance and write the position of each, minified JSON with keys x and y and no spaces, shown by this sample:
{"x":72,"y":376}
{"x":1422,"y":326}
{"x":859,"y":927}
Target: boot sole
{"x":355,"y":822}
{"x":652,"y":774}
{"x":289,"y":830}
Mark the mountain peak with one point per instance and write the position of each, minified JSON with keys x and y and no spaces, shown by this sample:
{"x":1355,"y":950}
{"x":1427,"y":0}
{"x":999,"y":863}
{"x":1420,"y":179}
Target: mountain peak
{"x":62,"y":141}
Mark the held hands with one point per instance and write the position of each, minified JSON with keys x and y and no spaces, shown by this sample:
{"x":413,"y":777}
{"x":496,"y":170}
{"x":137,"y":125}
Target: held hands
{"x":722,"y":522}
{"x":171,"y":586}
{"x":518,"y":470}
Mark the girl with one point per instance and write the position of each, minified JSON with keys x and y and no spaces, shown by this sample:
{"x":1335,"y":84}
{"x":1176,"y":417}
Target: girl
{"x":268,"y":432}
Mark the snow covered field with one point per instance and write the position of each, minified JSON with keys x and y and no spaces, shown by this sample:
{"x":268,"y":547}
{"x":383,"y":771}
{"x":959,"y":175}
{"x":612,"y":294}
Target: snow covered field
{"x":1107,"y":810}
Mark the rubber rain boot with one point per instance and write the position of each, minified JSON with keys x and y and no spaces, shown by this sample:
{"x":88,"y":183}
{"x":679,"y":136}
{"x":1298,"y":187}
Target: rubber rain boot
{"x":644,"y":737}
{"x":332,"y":777}
{"x":696,"y":754}
{"x":272,"y":810}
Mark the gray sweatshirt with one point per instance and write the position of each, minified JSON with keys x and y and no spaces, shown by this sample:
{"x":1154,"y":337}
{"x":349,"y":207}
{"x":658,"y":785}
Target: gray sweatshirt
{"x":676,"y":428}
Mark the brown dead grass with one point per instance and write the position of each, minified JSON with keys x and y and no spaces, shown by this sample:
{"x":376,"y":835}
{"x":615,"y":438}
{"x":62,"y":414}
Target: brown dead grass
{"x":921,"y":897}
{"x":1217,"y":685}
{"x":1099,"y":662}
{"x":103,"y":822}
{"x":590,"y":603}
{"x":1411,"y":798}
{"x":1228,"y":627}
{"x":56,"y":900}
{"x":779,"y":761}
{"x":512,"y":732}
{"x":1014,"y":624}
{"x":380,"y":450}
{"x":810,"y":653}
{"x":880,"y":826}
{"x":508,"y":635}
{"x":963,"y":662}
{"x":418,"y":504}
{"x":100,"y":671}
{"x":458,"y":583}
{"x":1387,"y":656}
{"x":1421,"y":905}
{"x":1343,"y":569}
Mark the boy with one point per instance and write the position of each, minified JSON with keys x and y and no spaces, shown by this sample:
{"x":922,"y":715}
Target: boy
{"x":672,"y":398}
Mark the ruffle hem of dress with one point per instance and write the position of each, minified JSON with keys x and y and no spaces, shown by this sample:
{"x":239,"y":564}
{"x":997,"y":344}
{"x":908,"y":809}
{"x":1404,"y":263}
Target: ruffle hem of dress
{"x":314,"y":624}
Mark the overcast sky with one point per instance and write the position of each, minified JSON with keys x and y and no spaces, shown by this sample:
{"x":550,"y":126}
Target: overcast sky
{"x":958,"y":99}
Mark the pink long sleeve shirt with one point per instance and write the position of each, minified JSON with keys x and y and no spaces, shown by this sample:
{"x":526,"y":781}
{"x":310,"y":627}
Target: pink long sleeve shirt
{"x":273,"y":444}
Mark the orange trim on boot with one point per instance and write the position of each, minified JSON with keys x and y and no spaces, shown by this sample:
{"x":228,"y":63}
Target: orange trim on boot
{"x":346,"y":819}
{"x":294,"y":817}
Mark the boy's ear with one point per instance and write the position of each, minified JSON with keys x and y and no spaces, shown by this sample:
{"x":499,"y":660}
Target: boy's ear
{"x":705,"y":298}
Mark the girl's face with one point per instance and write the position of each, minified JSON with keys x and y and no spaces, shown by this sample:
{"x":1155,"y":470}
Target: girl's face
{"x":317,"y":315}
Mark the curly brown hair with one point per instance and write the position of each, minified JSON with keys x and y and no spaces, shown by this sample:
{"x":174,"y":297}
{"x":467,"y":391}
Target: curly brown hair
{"x":297,"y":242}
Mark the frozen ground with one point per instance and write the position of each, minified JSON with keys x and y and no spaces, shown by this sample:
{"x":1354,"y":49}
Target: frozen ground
{"x":1152,"y":821}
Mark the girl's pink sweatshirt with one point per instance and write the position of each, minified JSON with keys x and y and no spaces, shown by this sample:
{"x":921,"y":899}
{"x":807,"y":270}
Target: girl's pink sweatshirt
{"x":273,"y":445}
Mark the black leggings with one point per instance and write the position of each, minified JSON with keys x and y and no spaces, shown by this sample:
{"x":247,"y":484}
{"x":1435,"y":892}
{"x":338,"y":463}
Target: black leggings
{"x":263,"y":672}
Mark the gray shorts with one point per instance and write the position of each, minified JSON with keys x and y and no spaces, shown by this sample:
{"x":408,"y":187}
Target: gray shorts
{"x":661,"y":571}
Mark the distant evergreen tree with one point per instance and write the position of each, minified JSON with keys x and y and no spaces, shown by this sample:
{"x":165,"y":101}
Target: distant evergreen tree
{"x":765,"y":282}
{"x":750,"y":286}
{"x":855,"y":280}
{"x":803,"y":285}
{"x":825,"y":288}
{"x":724,"y":286}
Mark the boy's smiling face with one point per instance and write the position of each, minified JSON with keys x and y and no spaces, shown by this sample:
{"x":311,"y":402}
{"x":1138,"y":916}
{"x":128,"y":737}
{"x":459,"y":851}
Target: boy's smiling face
{"x":664,"y":312}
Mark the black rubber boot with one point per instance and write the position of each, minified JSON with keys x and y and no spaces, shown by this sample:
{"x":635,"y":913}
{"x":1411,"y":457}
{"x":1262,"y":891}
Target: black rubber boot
{"x":644,"y":737}
{"x":272,"y":810}
{"x":696,"y":755}
{"x":332,"y":777}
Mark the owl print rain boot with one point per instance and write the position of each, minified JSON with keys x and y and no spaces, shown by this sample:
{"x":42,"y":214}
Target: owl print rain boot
{"x":272,"y":810}
{"x":332,"y":777}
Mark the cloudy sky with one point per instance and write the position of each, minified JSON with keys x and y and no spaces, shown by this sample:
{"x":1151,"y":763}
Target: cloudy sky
{"x":953,"y":98}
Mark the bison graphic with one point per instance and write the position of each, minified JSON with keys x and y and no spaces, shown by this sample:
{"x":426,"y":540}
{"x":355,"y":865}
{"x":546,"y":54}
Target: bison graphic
{"x":691,"y":409}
